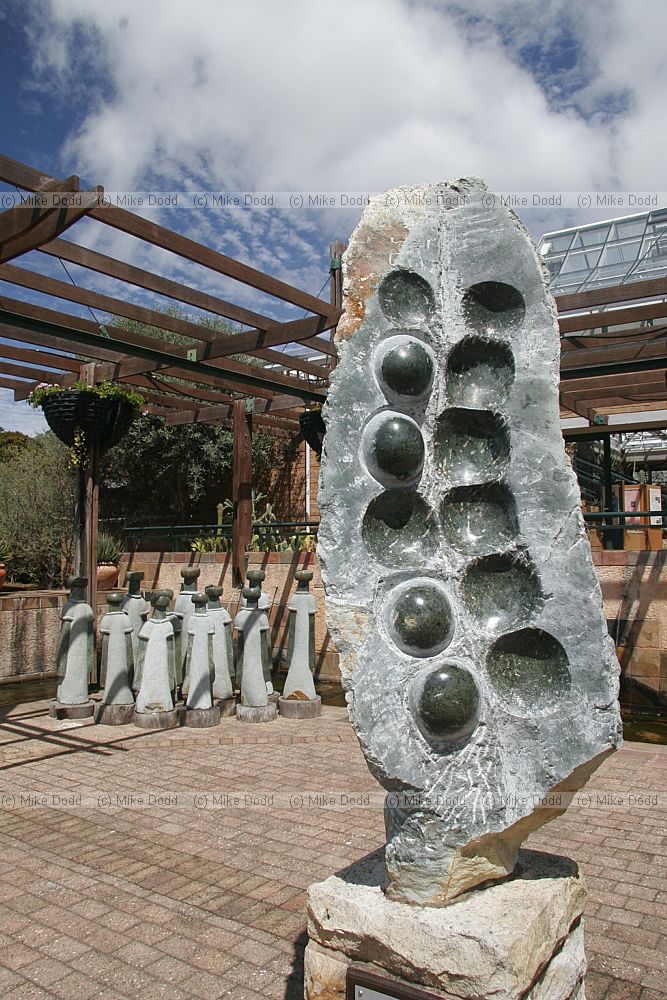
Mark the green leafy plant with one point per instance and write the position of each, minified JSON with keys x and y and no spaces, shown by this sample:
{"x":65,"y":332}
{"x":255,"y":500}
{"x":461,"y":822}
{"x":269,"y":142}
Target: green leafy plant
{"x":109,"y":548}
{"x":5,"y":554}
{"x":37,"y":512}
{"x":211,"y":543}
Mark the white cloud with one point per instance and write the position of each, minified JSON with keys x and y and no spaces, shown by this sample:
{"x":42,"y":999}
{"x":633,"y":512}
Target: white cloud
{"x":20,"y":416}
{"x":359,"y":95}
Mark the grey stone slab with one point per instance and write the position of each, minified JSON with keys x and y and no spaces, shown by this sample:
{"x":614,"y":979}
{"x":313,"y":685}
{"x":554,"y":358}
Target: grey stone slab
{"x":460,"y":589}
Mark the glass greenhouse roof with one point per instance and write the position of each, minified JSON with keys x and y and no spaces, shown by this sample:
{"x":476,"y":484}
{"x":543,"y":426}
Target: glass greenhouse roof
{"x":614,"y":252}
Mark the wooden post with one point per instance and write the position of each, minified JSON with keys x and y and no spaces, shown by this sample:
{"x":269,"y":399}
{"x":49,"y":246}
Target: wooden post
{"x":241,"y":488}
{"x":336,"y":251}
{"x":86,"y":511}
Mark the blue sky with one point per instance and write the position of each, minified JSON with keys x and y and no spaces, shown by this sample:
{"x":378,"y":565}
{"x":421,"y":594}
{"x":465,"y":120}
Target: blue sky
{"x":297,"y":97}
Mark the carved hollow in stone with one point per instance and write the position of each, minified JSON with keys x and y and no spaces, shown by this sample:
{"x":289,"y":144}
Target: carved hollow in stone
{"x":501,"y":698}
{"x":471,"y":446}
{"x":393,"y":448}
{"x":399,"y":527}
{"x":406,"y":298}
{"x":480,"y":372}
{"x":501,"y":591}
{"x":493,"y":307}
{"x":529,"y":669}
{"x":479,"y":519}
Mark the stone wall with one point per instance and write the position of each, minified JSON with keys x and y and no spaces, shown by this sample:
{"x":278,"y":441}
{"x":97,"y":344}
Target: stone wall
{"x":29,"y":630}
{"x":634,"y":590}
{"x":164,"y":569}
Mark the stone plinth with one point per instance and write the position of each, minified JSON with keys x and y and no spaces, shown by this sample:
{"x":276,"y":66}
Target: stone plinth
{"x":114,"y":715}
{"x":59,"y":711}
{"x":297,"y":708}
{"x":156,"y":720}
{"x":227,"y":706}
{"x":253,"y":713}
{"x":520,"y":939}
{"x":202,"y":718}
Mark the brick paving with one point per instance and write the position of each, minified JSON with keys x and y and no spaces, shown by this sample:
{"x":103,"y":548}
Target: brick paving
{"x":106,"y":896}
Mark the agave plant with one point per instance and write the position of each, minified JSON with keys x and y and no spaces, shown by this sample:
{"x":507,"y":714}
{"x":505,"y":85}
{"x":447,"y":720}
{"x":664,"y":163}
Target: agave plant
{"x":109,"y":548}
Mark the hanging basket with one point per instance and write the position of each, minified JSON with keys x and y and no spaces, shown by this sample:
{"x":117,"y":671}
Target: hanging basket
{"x":313,"y":429}
{"x":103,"y":419}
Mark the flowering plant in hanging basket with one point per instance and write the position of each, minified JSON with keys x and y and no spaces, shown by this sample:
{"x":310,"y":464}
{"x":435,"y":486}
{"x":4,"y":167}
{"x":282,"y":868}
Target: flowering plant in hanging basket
{"x":84,"y":414}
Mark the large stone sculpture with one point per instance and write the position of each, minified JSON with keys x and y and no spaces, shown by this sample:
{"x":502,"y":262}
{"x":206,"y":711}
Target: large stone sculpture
{"x":460,"y":588}
{"x":76,"y":647}
{"x":136,"y":607}
{"x":116,"y":629}
{"x":200,"y":711}
{"x":251,"y":624}
{"x":299,"y":699}
{"x":184,"y":608}
{"x":155,"y":706}
{"x":223,"y":652}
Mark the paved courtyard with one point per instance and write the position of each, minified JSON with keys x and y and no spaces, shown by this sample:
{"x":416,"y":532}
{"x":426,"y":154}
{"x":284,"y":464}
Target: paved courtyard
{"x":151,"y":865}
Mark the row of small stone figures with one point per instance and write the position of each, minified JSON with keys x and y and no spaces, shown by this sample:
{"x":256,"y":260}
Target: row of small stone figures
{"x":187,"y":652}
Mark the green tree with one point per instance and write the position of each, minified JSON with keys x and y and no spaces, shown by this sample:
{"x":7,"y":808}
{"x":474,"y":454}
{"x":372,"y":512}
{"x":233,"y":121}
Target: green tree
{"x":13,"y":443}
{"x":37,"y":511}
{"x":174,"y":474}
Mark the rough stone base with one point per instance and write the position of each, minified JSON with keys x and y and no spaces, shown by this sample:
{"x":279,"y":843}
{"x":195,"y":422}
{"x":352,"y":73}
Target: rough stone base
{"x":202,"y":718}
{"x":250,"y":713}
{"x":156,"y":720}
{"x":520,"y":939}
{"x":59,"y":711}
{"x":293,"y":708}
{"x":114,"y":715}
{"x":227,"y":706}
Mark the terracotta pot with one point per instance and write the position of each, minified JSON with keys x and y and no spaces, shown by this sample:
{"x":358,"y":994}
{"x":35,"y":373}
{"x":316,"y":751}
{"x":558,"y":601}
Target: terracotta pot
{"x":103,"y":419}
{"x":3,"y":575}
{"x":107,"y":576}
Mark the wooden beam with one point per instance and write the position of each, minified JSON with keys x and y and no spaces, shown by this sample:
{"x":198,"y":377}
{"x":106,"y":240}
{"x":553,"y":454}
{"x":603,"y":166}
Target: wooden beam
{"x":13,"y":172}
{"x":131,"y":275}
{"x":636,"y":336}
{"x":95,"y":300}
{"x":614,"y":293}
{"x":19,"y":219}
{"x":593,"y":355}
{"x":36,"y":374}
{"x":219,"y":415}
{"x":47,"y":223}
{"x":181,"y":293}
{"x":613,"y":317}
{"x":240,"y":377}
{"x":220,"y":344}
{"x":600,"y":431}
{"x":39,"y":357}
{"x":241,"y":488}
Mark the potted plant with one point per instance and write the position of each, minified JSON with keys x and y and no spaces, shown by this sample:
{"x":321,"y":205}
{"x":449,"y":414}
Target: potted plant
{"x":5,"y":556}
{"x":87,"y":414}
{"x":109,"y":551}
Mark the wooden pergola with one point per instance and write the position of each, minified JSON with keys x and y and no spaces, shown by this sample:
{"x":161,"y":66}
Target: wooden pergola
{"x":197,"y":382}
{"x":614,"y":356}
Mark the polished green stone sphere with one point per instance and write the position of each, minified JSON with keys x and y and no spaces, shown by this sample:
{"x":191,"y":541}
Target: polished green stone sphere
{"x":407,"y":369}
{"x":448,"y":705}
{"x":398,"y":448}
{"x":421,"y":620}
